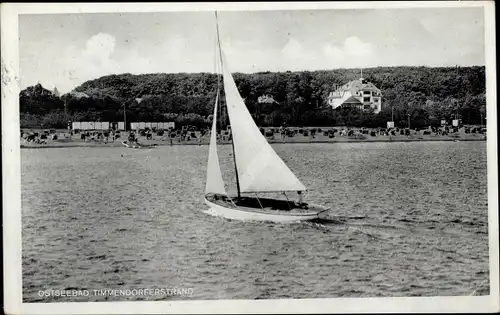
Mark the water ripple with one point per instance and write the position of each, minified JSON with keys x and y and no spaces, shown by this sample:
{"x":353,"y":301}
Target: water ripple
{"x":407,"y":220}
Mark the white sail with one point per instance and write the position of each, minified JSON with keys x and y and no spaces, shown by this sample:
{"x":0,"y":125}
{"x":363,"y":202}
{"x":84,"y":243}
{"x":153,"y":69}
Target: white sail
{"x":259,"y":168}
{"x":215,"y":183}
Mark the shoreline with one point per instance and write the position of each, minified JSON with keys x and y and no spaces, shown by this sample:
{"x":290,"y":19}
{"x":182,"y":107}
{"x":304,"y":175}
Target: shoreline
{"x":74,"y":144}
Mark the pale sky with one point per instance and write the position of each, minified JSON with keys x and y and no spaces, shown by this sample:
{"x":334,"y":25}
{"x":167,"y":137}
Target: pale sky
{"x":65,"y":50}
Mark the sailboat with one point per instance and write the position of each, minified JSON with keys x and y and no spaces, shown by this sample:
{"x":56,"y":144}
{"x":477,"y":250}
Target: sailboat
{"x":258,"y":168}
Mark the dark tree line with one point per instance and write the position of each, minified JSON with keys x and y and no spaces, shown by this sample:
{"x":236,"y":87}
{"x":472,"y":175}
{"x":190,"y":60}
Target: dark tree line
{"x":427,"y":95}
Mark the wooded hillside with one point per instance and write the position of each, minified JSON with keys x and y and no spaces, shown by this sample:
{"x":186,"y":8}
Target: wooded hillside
{"x":427,"y":94}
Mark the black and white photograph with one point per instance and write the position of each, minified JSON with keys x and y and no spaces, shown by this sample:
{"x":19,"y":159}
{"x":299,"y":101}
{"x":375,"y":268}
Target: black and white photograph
{"x":249,"y":157}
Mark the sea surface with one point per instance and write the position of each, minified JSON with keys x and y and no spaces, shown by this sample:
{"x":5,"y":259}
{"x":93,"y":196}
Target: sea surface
{"x":407,"y":219}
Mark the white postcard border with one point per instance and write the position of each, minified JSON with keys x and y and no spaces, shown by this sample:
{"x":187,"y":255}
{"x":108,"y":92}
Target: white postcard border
{"x":12,"y":170}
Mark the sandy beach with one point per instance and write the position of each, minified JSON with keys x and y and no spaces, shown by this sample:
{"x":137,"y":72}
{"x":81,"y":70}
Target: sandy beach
{"x":75,"y":141}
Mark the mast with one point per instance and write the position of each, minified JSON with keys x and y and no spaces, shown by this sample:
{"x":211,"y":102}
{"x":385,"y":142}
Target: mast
{"x":232,"y":137}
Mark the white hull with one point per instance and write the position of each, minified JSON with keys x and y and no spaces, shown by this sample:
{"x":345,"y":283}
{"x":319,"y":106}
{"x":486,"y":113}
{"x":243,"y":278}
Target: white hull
{"x":126,"y":145}
{"x":250,"y":214}
{"x":135,"y":146}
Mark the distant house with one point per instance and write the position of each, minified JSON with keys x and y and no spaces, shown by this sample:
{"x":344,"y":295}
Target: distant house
{"x":266,"y":99}
{"x":78,"y":94}
{"x":359,"y":94}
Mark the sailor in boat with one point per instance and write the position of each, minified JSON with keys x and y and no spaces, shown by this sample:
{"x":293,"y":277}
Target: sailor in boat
{"x":301,"y":197}
{"x":300,"y":202}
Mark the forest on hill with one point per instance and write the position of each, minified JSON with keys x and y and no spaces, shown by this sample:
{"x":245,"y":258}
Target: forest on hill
{"x":426,"y":94}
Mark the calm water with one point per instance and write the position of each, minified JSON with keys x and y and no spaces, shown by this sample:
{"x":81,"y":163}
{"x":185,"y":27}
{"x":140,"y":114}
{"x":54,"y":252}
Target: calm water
{"x":408,"y":219}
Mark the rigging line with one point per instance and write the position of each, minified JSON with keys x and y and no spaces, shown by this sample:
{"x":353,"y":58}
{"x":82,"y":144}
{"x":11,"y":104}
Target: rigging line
{"x":232,"y":201}
{"x":218,"y":74}
{"x":218,"y":63}
{"x":287,"y":201}
{"x":257,"y":196}
{"x":232,"y":137}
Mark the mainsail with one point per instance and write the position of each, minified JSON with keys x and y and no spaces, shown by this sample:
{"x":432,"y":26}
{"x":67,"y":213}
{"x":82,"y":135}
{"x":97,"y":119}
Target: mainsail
{"x":259,"y":168}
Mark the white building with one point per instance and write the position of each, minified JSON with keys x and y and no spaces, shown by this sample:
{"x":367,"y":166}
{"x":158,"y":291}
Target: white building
{"x":358,"y":93}
{"x":78,"y":94}
{"x":265,"y":99}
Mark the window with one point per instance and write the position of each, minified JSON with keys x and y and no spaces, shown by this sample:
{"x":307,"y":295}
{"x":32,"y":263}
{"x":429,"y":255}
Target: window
{"x":366,"y":92}
{"x":366,"y":99}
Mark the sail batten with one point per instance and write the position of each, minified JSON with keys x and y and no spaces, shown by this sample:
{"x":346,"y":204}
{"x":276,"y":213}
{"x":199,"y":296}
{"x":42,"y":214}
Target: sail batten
{"x":259,"y":168}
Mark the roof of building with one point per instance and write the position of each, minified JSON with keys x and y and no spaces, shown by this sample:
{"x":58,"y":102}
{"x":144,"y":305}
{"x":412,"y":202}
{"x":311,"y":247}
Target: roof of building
{"x":352,"y":100}
{"x":360,"y":83}
{"x":370,"y":86}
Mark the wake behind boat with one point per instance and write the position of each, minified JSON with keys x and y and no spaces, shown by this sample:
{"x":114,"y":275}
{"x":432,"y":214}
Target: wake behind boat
{"x":258,"y":168}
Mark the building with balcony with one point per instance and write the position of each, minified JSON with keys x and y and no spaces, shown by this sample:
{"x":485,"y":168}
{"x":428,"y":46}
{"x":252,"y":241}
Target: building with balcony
{"x":359,"y":94}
